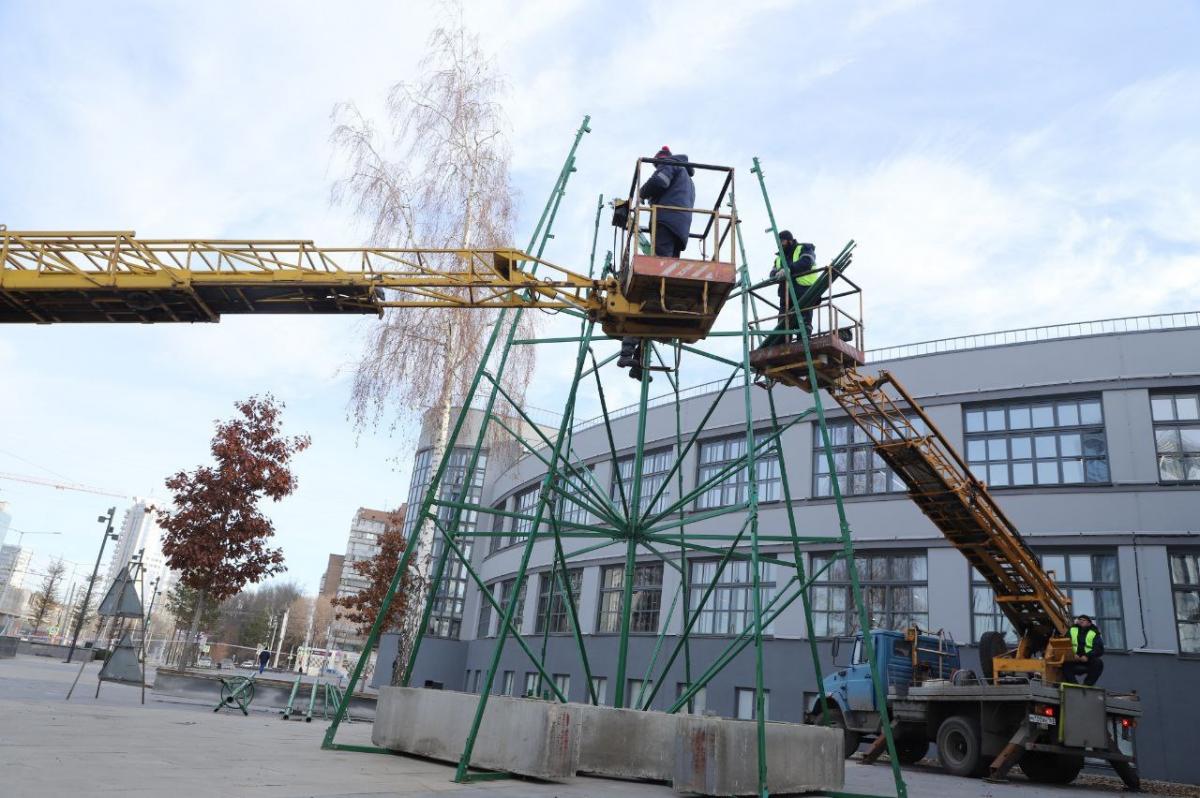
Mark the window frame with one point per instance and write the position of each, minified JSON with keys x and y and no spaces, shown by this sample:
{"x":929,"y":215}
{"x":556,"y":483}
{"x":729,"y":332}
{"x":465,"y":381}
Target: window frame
{"x":738,"y":692}
{"x":653,"y":592}
{"x":738,"y":481}
{"x":1057,"y":429}
{"x":556,"y":610}
{"x":649,"y":479}
{"x":844,"y":438}
{"x":1184,"y":587}
{"x":1174,"y":424}
{"x":740,"y":601}
{"x":1068,"y":583}
{"x":888,"y":585}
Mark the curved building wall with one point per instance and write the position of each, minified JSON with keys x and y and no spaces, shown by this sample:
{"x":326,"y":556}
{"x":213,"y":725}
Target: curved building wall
{"x":1123,"y":537}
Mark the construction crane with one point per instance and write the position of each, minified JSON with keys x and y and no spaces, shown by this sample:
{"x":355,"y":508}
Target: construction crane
{"x":49,"y":483}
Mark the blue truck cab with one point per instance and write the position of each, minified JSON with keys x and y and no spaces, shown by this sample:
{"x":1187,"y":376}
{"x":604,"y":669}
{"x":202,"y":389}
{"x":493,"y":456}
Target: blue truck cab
{"x":849,"y":692}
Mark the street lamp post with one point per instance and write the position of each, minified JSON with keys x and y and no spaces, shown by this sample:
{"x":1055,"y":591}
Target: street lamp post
{"x":13,"y":572}
{"x":108,"y":533}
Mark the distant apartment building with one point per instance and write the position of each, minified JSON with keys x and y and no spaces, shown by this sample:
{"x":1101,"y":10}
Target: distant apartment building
{"x":332,"y":576}
{"x":362,"y":544}
{"x":139,"y":531}
{"x":5,"y":520}
{"x":14,"y":595}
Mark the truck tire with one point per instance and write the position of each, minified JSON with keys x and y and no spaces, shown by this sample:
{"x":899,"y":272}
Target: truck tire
{"x":1047,"y":768}
{"x":851,"y":739}
{"x":1129,"y":774}
{"x":991,"y":644}
{"x":911,"y":750}
{"x":960,"y":748}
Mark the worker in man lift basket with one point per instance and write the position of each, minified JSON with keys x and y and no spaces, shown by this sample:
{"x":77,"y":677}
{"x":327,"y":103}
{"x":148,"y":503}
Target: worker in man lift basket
{"x":801,"y":271}
{"x":670,"y":185}
{"x":1088,"y":647}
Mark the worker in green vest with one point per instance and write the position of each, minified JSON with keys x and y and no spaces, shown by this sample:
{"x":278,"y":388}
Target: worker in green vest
{"x":802,"y":272}
{"x":1088,"y":648}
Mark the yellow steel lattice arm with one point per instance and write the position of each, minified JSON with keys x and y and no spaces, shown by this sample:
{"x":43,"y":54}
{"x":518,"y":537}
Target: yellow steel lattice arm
{"x":50,"y":276}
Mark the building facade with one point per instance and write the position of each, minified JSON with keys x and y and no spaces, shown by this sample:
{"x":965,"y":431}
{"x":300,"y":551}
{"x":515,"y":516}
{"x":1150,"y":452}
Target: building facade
{"x":362,"y":543}
{"x":140,"y":532}
{"x":1088,"y":435}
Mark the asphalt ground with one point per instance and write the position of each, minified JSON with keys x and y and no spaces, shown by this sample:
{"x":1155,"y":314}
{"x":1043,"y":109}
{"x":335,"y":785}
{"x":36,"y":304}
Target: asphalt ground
{"x":113,"y":745}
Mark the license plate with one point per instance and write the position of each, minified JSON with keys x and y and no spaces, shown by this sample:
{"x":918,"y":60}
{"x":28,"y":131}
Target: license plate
{"x":1042,"y":720}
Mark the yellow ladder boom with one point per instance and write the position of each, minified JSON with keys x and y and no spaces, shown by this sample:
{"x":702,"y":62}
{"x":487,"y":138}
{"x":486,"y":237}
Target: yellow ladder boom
{"x":85,"y":276}
{"x":957,"y":502}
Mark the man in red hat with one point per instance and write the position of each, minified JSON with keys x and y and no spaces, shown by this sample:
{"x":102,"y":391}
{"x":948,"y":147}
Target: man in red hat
{"x":672,"y":190}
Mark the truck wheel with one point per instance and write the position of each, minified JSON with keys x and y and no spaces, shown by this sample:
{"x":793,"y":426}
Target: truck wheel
{"x":1129,"y":774}
{"x":991,"y":644}
{"x":850,"y":738}
{"x":1047,"y":768}
{"x":960,"y":747}
{"x":911,"y":750}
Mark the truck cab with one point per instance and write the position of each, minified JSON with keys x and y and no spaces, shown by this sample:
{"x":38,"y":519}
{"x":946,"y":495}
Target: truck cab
{"x":905,"y":658}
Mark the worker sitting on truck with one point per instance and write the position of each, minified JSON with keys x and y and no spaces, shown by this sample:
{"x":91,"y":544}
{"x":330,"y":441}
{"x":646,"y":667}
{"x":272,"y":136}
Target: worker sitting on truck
{"x":1088,"y":647}
{"x":671,"y":185}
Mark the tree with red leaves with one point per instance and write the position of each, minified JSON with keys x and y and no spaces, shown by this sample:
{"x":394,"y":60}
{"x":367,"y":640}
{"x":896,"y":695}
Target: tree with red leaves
{"x":364,"y":606}
{"x":215,"y":535}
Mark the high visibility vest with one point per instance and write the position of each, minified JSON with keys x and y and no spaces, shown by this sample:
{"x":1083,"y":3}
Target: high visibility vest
{"x":806,"y":279}
{"x":1089,"y":640}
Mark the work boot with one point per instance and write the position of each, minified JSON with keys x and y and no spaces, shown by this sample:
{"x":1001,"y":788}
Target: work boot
{"x":636,"y":373}
{"x":629,"y":353}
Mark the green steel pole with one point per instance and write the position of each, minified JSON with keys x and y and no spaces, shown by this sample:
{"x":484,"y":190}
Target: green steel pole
{"x":847,"y":543}
{"x":792,"y":526}
{"x":431,"y":493}
{"x":632,"y":530}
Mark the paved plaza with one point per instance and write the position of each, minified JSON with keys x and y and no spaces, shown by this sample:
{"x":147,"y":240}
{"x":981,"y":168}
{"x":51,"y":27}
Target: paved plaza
{"x":174,"y":747}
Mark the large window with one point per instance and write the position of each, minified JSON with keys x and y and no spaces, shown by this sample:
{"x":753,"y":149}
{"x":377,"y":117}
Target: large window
{"x":895,"y":588}
{"x":1092,"y":583}
{"x":484,"y":628}
{"x":526,"y":505}
{"x":446,"y":618}
{"x":1090,"y":580}
{"x":717,"y":455}
{"x":496,"y":541}
{"x":730,"y":608}
{"x":1177,"y":435}
{"x":506,"y":588}
{"x":647,"y":597}
{"x":1045,"y":442}
{"x":552,"y":606}
{"x":1185,"y":585}
{"x":572,"y":512}
{"x":985,"y":612}
{"x":655,"y":466}
{"x":860,"y":471}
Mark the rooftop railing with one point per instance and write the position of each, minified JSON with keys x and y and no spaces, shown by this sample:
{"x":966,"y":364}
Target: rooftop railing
{"x":1161,"y":321}
{"x":1051,"y":332}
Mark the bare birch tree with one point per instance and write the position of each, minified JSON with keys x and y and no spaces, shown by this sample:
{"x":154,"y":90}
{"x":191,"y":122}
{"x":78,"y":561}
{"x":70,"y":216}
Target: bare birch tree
{"x":438,"y":178}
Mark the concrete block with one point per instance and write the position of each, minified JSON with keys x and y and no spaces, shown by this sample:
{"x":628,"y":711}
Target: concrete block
{"x":719,"y":757}
{"x":627,"y":743}
{"x":518,"y":735}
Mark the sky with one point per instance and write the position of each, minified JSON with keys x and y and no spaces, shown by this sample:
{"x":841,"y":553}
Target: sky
{"x":1000,"y":164}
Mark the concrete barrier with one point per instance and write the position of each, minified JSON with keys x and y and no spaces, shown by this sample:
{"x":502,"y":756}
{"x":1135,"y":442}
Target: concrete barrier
{"x":8,"y":647}
{"x":525,"y":736}
{"x":627,"y":743}
{"x":719,"y":757}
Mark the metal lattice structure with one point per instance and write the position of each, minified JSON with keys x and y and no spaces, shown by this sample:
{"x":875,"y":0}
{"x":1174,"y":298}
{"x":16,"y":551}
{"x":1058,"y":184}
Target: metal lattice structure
{"x":637,"y":519}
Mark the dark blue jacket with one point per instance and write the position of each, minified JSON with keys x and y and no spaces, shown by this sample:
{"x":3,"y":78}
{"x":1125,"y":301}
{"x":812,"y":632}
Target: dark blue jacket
{"x":671,"y":184}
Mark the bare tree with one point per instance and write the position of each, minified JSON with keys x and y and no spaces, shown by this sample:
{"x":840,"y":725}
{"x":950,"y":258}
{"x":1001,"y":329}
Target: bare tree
{"x":439,"y":179}
{"x":45,"y":600}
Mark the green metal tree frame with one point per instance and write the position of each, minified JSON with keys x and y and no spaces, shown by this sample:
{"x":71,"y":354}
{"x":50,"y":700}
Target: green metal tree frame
{"x":630,"y":517}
